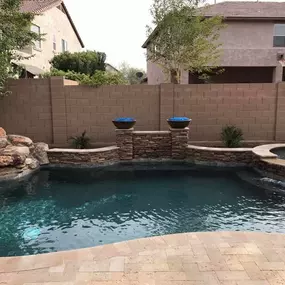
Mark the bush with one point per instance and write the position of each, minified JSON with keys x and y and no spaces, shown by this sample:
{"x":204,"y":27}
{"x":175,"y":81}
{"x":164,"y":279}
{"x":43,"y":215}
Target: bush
{"x":80,"y":142}
{"x":98,"y":79}
{"x":68,"y":75}
{"x":86,"y":62}
{"x":104,"y":78}
{"x":232,"y":136}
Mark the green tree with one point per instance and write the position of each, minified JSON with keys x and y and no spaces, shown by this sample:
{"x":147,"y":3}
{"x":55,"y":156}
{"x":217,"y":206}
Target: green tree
{"x":183,"y":39}
{"x":130,"y":73}
{"x":86,"y":62}
{"x":15,"y":34}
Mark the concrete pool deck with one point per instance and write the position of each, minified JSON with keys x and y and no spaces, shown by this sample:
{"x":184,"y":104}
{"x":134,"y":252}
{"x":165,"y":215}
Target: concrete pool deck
{"x":214,"y":258}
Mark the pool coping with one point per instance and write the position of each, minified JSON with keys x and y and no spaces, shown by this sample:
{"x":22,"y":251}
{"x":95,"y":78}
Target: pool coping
{"x":187,"y":258}
{"x":264,"y":151}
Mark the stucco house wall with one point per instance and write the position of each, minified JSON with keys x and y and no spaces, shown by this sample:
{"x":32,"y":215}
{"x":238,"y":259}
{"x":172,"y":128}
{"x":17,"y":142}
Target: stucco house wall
{"x":244,"y":43}
{"x":249,"y":44}
{"x":52,"y":22}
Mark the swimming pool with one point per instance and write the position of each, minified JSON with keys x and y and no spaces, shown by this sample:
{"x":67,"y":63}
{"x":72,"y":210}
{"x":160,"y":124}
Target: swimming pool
{"x":280,"y":152}
{"x":66,"y":208}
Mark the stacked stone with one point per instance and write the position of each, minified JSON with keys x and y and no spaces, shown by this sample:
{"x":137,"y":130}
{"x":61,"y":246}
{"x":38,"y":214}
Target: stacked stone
{"x":179,"y":142}
{"x":244,"y":156}
{"x":83,"y":157}
{"x":270,"y":168}
{"x":124,"y":140}
{"x":152,"y":144}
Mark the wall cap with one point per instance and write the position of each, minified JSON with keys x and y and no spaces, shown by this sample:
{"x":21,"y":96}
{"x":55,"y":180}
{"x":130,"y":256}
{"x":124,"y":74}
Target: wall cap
{"x":219,"y":149}
{"x":264,"y":151}
{"x":151,"y":132}
{"x":82,"y":151}
{"x":179,"y":130}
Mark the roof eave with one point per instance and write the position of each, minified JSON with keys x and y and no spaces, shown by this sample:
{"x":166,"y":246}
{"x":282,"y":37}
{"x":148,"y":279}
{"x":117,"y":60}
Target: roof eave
{"x":73,"y":25}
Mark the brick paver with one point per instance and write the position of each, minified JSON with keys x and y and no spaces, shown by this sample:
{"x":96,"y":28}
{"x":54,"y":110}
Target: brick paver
{"x":216,"y":258}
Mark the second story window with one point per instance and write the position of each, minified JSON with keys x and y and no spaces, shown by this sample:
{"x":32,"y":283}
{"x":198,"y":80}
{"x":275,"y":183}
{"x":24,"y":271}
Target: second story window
{"x":36,"y":29}
{"x":54,"y":42}
{"x":64,"y":45}
{"x":279,"y":35}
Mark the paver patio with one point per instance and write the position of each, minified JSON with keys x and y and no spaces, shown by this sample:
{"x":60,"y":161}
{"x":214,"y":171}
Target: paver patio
{"x":215,"y":258}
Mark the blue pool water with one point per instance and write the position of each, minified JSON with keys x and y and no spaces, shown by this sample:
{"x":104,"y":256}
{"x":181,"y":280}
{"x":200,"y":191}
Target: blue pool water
{"x":63,"y":209}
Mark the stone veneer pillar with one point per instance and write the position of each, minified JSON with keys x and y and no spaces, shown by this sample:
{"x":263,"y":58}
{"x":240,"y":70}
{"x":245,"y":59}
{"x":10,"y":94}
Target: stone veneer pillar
{"x":179,"y":141}
{"x":124,"y":140}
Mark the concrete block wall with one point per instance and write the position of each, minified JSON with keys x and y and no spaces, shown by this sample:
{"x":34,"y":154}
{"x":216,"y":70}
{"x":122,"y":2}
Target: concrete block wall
{"x":28,"y":111}
{"x":212,"y":106}
{"x":54,"y":109}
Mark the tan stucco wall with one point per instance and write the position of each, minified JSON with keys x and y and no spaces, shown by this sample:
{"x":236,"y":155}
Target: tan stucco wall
{"x":248,"y":44}
{"x":243,"y":44}
{"x":53,"y":22}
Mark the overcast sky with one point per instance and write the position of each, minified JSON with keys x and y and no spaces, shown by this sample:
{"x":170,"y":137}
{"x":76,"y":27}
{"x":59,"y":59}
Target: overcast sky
{"x":116,"y":27}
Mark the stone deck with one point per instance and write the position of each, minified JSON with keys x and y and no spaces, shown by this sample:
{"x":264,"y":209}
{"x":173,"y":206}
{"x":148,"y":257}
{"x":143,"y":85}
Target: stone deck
{"x":216,"y":258}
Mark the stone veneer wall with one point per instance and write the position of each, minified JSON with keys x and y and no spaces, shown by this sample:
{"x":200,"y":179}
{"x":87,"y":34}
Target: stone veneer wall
{"x":84,"y":156}
{"x":219,"y":155}
{"x":275,"y":167}
{"x":155,"y":144}
{"x":152,"y":144}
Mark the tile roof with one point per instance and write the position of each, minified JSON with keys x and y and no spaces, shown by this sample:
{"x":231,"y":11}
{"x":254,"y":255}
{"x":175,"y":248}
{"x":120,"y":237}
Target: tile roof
{"x":245,"y":9}
{"x":40,"y":6}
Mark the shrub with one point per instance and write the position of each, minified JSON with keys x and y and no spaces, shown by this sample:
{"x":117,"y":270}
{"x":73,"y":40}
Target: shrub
{"x":86,"y":62}
{"x":232,"y":136}
{"x":80,"y":142}
{"x":104,"y":78}
{"x":68,"y":75}
{"x":98,"y":79}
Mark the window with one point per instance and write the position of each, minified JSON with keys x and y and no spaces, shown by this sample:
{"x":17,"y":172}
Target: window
{"x":54,"y":43}
{"x":36,"y":29}
{"x":279,"y":35}
{"x":64,"y":45}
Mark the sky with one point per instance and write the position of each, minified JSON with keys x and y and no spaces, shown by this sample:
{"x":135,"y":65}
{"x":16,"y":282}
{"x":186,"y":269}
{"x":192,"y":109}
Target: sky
{"x":116,"y":27}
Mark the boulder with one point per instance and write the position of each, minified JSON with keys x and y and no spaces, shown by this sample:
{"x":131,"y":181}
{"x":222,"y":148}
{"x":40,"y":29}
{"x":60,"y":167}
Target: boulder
{"x":40,"y":153}
{"x":6,"y":160}
{"x":20,"y":140}
{"x":2,"y":133}
{"x":10,"y":150}
{"x":32,"y":163}
{"x":3,"y":142}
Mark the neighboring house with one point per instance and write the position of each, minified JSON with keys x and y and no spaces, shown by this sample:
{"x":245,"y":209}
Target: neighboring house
{"x":253,"y":44}
{"x":111,"y":68}
{"x":60,"y":34}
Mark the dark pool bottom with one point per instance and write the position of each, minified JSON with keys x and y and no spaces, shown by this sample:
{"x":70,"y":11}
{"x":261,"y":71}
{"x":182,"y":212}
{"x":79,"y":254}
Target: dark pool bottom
{"x":64,"y":209}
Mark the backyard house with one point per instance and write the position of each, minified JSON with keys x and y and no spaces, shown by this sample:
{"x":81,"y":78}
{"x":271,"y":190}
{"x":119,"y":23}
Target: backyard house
{"x":60,"y":34}
{"x":253,"y":44}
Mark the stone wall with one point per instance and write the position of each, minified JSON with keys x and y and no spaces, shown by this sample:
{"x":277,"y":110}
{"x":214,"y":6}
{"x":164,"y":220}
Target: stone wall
{"x":83,"y":157}
{"x":211,"y":155}
{"x":152,"y":144}
{"x":271,"y":167}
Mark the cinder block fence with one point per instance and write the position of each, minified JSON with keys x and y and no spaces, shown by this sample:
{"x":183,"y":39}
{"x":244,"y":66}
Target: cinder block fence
{"x":52,"y":110}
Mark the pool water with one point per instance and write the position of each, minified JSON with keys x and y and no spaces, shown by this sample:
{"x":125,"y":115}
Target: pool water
{"x":280,"y":152}
{"x":62,"y":209}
